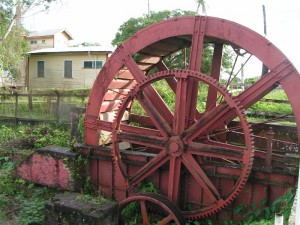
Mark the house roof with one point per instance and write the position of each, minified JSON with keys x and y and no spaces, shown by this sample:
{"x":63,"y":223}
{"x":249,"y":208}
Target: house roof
{"x":71,"y":50}
{"x":43,"y":33}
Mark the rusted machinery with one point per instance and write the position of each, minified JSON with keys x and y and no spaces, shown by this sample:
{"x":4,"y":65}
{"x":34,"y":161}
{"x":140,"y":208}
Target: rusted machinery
{"x":199,"y":158}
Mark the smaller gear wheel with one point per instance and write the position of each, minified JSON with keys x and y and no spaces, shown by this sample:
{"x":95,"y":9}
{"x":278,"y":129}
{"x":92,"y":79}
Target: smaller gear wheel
{"x":184,"y":144}
{"x":167,"y":211}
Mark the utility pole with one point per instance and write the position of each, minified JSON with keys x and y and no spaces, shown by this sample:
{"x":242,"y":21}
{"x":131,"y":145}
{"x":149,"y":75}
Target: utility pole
{"x":265,"y":69}
{"x":265,"y":19}
{"x":148,"y":9}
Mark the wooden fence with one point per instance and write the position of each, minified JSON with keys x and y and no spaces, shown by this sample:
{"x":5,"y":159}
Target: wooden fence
{"x":36,"y":107}
{"x":39,"y":107}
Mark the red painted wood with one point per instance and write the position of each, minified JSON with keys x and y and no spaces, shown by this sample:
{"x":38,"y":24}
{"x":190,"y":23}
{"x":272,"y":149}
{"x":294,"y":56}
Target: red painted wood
{"x":105,"y":179}
{"x":215,"y":73}
{"x":108,"y":106}
{"x":116,"y":94}
{"x":255,"y":190}
{"x":195,"y":65}
{"x":125,"y":74}
{"x":168,"y":124}
{"x":122,"y":84}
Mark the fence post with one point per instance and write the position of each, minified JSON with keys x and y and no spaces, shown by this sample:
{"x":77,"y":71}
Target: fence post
{"x":30,"y":100}
{"x":57,"y":105}
{"x":268,"y":159}
{"x":16,"y":108}
{"x":76,"y":113}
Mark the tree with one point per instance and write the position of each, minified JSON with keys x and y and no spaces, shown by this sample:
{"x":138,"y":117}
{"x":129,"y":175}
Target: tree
{"x":13,"y":45}
{"x":12,"y":10}
{"x":177,"y":59}
{"x":201,"y":3}
{"x":133,"y":25}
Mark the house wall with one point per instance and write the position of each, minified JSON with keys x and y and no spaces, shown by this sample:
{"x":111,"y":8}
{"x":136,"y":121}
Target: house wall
{"x":54,"y":70}
{"x":61,"y":40}
{"x":47,"y":43}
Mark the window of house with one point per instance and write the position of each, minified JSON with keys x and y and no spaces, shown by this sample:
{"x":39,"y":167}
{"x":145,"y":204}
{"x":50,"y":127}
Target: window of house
{"x":33,"y":42}
{"x":93,"y":64}
{"x":43,"y":41}
{"x":41,"y":68}
{"x":68,"y":68}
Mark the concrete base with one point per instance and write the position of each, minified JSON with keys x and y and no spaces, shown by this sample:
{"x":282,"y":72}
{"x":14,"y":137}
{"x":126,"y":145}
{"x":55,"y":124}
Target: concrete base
{"x":65,"y":209}
{"x":292,"y":219}
{"x":52,"y":166}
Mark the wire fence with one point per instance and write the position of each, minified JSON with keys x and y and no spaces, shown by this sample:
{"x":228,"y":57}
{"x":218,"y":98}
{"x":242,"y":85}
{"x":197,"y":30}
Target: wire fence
{"x":38,"y":107}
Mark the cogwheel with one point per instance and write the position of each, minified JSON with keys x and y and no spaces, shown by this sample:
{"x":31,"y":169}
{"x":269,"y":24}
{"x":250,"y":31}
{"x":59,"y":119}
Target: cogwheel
{"x":176,"y":148}
{"x":167,"y":208}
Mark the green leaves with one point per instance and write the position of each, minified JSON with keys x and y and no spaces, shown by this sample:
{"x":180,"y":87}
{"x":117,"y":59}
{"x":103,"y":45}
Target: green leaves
{"x":131,"y":26}
{"x":201,"y":4}
{"x":262,"y":214}
{"x":33,"y":137}
{"x":177,"y":59}
{"x":32,"y":212}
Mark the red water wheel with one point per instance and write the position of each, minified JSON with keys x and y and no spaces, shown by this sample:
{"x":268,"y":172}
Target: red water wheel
{"x":184,"y":114}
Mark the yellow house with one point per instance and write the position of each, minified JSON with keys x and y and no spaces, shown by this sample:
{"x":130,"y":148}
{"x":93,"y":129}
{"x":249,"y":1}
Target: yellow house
{"x":56,"y":38}
{"x":65,"y":68}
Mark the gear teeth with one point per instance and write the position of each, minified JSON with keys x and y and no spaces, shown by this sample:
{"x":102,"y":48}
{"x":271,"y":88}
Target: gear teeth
{"x":231,"y":101}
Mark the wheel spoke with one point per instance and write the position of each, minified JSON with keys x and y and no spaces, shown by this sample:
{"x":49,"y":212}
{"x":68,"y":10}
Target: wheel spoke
{"x":144,"y":140}
{"x":154,"y":114}
{"x":194,"y":65}
{"x":165,"y":220}
{"x":211,"y":119}
{"x":171,"y":80}
{"x":180,"y":106}
{"x":255,"y":92}
{"x":174,"y":179}
{"x":216,"y":150}
{"x":149,"y":90}
{"x":183,"y":104}
{"x":215,"y":73}
{"x":144,"y":213}
{"x":267,"y":83}
{"x":197,"y":44}
{"x":139,"y":130}
{"x":150,"y":167}
{"x":200,"y":177}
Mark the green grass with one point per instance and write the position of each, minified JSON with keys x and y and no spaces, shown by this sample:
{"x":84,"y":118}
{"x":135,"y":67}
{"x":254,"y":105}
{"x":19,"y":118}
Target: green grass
{"x":275,"y":109}
{"x":19,"y":200}
{"x":43,"y":107}
{"x":23,"y":137}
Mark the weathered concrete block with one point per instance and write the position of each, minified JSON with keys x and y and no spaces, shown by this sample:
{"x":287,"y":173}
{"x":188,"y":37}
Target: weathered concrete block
{"x":67,"y":209}
{"x":51,"y":166}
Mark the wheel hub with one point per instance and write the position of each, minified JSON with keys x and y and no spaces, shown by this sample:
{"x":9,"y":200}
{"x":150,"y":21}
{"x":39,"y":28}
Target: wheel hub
{"x":175,"y":146}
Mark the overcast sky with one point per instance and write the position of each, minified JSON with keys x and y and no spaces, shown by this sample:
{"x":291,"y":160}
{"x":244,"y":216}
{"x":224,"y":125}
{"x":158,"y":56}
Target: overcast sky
{"x":98,"y":21}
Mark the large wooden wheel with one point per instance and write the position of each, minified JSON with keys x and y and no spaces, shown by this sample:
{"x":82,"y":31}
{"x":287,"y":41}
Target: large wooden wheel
{"x":183,"y":138}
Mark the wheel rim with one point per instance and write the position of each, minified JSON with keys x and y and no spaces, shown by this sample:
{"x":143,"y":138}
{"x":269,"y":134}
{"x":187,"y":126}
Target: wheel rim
{"x":198,"y":30}
{"x":220,"y":30}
